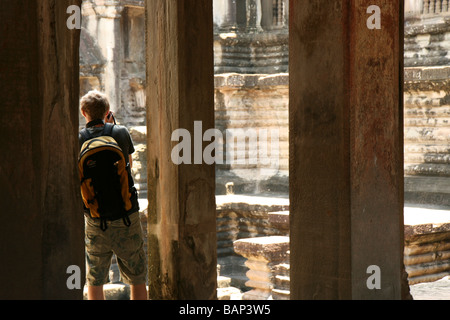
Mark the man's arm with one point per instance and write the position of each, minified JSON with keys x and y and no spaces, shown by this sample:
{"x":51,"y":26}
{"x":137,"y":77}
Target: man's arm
{"x":131,"y":162}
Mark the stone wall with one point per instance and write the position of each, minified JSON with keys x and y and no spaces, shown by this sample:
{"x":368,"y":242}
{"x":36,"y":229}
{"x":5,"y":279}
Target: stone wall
{"x":254,"y":103}
{"x":251,"y":36}
{"x":427,"y":109}
{"x":112,"y":56}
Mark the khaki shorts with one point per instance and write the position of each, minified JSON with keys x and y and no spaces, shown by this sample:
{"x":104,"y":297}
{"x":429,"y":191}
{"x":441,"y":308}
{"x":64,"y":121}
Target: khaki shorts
{"x":125,"y":242}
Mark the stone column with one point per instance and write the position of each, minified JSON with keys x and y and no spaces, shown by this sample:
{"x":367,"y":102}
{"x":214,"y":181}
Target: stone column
{"x":225,"y":15}
{"x":413,"y":6}
{"x":42,"y":232}
{"x":346,"y":146}
{"x":267,"y":14}
{"x":109,"y":35}
{"x":182,"y":216}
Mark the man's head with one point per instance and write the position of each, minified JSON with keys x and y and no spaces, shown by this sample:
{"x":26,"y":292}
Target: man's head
{"x":94,"y":105}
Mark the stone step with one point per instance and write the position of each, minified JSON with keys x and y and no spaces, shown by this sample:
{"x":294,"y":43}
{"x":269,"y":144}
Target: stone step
{"x":121,"y":291}
{"x":437,"y":158}
{"x":229,"y":293}
{"x":282,"y":282}
{"x":426,"y":189}
{"x":428,"y":169}
{"x":411,"y":148}
{"x":223,"y":282}
{"x":282,"y":269}
{"x":278,"y":294}
{"x":113,"y":292}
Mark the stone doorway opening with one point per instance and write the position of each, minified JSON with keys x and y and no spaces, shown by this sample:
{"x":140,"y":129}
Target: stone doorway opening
{"x":112,"y":60}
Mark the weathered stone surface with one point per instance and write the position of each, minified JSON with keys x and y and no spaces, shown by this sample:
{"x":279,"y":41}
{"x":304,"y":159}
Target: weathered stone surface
{"x":426,"y":106}
{"x":346,"y":165}
{"x":43,"y":231}
{"x":181,"y":212}
{"x":113,"y":292}
{"x":240,"y":216}
{"x":437,"y":290}
{"x":427,"y":245}
{"x":427,"y":135}
{"x":229,"y":293}
{"x":251,"y":52}
{"x":268,"y":249}
{"x":425,"y":40}
{"x":245,"y":105}
{"x":280,"y":220}
{"x":267,"y":262}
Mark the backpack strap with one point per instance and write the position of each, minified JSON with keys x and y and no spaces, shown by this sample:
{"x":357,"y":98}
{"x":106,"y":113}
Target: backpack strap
{"x":85,"y":135}
{"x":127,"y":221}
{"x":107,"y":131}
{"x":103,"y":224}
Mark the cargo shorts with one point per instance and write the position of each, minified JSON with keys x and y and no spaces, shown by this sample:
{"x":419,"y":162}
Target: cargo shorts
{"x":125,"y":242}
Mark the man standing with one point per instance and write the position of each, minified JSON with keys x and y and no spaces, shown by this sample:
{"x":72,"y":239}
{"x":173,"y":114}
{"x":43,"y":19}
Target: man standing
{"x":125,"y":240}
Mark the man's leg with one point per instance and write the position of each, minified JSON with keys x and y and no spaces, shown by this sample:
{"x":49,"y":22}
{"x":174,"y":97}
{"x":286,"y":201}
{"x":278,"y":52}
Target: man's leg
{"x":138,"y":292}
{"x":98,"y":259}
{"x":131,"y":258}
{"x":96,"y":293}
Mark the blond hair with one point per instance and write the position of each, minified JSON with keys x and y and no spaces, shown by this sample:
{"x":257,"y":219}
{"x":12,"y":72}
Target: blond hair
{"x":95,"y":104}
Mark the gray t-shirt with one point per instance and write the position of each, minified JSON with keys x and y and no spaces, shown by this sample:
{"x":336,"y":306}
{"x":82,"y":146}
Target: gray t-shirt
{"x":119,"y":133}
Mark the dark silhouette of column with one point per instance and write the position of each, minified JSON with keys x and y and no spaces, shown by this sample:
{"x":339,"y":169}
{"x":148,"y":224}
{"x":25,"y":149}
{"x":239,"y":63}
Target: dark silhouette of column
{"x":42,"y":232}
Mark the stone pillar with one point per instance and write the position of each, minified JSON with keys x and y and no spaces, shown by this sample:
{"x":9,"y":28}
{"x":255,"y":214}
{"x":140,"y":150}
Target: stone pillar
{"x":42,"y":232}
{"x":414,"y":6}
{"x":181,"y":213}
{"x":346,"y":146}
{"x":267,"y":14}
{"x":109,"y":35}
{"x":225,"y":15}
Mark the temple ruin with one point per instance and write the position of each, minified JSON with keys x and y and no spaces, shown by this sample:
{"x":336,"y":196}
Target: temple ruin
{"x":357,"y":140}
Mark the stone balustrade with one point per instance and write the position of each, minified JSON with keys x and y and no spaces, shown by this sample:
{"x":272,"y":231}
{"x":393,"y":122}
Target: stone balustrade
{"x":241,"y":217}
{"x":268,"y":260}
{"x":435,"y":6}
{"x":427,"y":245}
